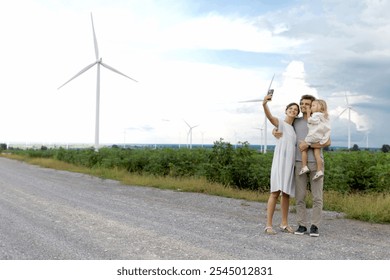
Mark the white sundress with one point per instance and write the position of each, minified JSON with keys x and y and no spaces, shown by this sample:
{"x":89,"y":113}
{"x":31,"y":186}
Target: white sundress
{"x":283,"y":162}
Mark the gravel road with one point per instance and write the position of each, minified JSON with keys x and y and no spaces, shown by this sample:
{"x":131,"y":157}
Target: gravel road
{"x":49,"y":214}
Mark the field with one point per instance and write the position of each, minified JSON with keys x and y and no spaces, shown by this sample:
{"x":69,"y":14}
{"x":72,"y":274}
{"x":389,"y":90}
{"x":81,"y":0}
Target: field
{"x":357,"y":183}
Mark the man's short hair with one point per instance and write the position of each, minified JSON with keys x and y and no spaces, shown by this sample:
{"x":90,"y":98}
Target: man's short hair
{"x":308,"y":96}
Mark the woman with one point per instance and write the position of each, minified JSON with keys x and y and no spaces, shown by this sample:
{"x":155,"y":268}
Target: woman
{"x":282,"y":170}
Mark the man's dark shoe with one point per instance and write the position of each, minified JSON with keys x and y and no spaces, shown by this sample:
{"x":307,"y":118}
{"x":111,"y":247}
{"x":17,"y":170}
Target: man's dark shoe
{"x":314,"y":231}
{"x":301,"y":230}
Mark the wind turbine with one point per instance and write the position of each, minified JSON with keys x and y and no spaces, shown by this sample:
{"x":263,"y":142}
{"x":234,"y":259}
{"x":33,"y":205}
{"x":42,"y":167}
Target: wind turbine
{"x":265,"y":117}
{"x":261,"y":128}
{"x":189,"y":134}
{"x":365,"y":138}
{"x":98,"y":63}
{"x":349,"y":108}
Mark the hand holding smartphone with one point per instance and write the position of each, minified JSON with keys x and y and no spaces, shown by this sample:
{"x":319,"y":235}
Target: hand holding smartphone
{"x":271,"y":92}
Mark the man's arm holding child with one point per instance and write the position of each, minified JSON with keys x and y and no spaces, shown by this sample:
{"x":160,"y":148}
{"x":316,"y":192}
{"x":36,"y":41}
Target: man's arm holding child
{"x":304,"y":146}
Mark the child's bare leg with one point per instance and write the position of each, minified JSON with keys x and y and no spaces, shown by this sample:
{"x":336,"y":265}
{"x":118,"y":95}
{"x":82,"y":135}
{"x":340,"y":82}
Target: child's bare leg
{"x":317,"y":156}
{"x":304,"y":169}
{"x":319,"y":174}
{"x":304,"y":158}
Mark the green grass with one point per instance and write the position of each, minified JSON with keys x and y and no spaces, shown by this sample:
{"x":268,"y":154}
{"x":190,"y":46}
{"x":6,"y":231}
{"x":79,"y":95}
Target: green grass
{"x":199,"y":185}
{"x":371,"y":207}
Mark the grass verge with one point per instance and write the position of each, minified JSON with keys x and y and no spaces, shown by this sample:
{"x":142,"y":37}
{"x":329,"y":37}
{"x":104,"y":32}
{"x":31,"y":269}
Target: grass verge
{"x":373,"y":207}
{"x":199,"y":185}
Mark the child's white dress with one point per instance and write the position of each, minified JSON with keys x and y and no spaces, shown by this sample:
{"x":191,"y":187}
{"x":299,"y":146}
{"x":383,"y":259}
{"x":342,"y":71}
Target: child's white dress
{"x":319,"y":129}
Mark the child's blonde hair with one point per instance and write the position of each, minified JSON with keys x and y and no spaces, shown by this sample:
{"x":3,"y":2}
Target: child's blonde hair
{"x":323,"y":107}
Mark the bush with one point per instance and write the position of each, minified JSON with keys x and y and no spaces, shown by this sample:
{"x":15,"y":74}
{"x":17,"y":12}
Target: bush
{"x":244,"y":168}
{"x":241,"y":167}
{"x":242,"y":174}
{"x":386,"y":148}
{"x":218,"y":167}
{"x":357,"y":171}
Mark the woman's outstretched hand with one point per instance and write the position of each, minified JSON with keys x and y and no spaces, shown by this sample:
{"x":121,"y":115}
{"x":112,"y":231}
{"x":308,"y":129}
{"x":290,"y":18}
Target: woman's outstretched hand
{"x":267,"y":98}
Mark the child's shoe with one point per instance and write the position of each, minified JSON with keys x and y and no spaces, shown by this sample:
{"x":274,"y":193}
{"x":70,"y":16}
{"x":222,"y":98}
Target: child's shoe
{"x":318,"y":175}
{"x":304,"y":170}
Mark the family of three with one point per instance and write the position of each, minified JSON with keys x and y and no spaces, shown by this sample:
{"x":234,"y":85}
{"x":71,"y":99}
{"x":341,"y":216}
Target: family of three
{"x":298,"y":159}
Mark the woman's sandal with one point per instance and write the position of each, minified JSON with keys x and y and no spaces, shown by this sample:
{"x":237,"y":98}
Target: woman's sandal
{"x":269,"y":230}
{"x":286,"y":229}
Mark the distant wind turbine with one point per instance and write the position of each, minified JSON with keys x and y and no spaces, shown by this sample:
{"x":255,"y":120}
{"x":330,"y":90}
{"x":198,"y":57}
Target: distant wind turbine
{"x":365,"y":139}
{"x":265,"y":117}
{"x":367,"y":132}
{"x":189,"y":134}
{"x":349,"y":108}
{"x":261,"y":128}
{"x":98,"y":62}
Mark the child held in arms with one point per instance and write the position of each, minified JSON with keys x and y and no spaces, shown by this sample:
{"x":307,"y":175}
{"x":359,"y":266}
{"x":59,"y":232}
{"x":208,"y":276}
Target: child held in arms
{"x":319,"y":132}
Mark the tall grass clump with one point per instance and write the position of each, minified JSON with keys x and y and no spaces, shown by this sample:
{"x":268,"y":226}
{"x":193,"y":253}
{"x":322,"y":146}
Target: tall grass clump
{"x":369,"y":207}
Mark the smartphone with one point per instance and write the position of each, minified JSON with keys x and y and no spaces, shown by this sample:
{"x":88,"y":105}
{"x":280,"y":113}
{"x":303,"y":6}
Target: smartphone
{"x":271,"y":92}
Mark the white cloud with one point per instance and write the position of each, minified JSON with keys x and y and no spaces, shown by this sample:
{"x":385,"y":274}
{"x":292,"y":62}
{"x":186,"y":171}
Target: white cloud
{"x":341,"y":46}
{"x":220,"y":32}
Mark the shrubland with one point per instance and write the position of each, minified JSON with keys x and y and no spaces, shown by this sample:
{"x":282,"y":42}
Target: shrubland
{"x":356,"y":182}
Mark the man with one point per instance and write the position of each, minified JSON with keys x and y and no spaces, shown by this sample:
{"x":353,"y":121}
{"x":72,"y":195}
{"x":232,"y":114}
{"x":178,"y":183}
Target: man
{"x":301,"y":130}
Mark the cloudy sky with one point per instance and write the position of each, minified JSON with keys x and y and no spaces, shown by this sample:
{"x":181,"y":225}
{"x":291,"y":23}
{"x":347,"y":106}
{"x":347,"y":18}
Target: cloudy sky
{"x":194,"y":62}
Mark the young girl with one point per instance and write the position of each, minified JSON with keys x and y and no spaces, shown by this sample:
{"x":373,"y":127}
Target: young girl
{"x":282,"y":170}
{"x":319,"y":132}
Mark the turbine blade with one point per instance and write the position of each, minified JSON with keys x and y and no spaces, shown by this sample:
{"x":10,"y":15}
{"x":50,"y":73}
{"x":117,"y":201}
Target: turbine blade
{"x":79,"y":73}
{"x":342,"y":112}
{"x":259,"y":100}
{"x":346,"y":99}
{"x":95,"y":40}
{"x":271,"y":82}
{"x":116,"y":71}
{"x":253,"y":100}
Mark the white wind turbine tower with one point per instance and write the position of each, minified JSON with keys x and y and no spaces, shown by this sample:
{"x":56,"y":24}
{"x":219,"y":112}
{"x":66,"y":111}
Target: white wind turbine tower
{"x":365,"y":138}
{"x":349,"y":108}
{"x":261,"y":128}
{"x":98,"y":62}
{"x":265,"y":117}
{"x":189,"y":134}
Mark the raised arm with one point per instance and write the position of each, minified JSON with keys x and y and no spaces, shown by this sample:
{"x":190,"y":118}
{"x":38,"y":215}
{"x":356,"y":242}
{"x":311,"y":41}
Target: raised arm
{"x":267,"y":112}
